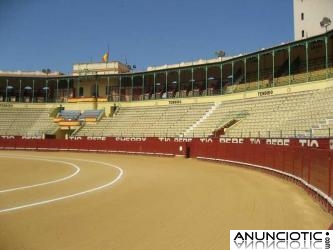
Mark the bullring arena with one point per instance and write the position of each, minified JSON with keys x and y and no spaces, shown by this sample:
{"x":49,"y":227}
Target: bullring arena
{"x":170,"y":158}
{"x":141,"y":202}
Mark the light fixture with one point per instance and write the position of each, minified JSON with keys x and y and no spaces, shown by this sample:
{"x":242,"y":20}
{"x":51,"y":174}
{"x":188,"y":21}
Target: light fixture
{"x":325,"y":23}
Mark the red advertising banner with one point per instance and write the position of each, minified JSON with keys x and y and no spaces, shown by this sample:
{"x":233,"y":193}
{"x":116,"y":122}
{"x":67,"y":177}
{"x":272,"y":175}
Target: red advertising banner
{"x":309,"y":161}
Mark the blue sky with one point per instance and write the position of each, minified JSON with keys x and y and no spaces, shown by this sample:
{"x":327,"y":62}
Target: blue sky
{"x":36,"y":34}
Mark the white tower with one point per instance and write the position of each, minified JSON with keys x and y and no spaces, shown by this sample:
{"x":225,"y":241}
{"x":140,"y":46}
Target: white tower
{"x":307,"y":17}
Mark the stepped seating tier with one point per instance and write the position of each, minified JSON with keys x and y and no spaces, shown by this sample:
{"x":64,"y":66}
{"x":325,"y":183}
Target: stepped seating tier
{"x":171,"y":120}
{"x":26,"y":121}
{"x":299,"y":114}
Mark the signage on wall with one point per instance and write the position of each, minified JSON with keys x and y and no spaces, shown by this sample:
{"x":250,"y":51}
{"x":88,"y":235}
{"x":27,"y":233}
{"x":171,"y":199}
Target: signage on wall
{"x":265,"y":93}
{"x":175,"y":102}
{"x":168,"y":139}
{"x":309,"y":143}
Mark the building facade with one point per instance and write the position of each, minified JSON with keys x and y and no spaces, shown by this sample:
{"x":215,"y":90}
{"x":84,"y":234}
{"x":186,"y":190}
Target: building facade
{"x":108,"y":68}
{"x":307,"y":17}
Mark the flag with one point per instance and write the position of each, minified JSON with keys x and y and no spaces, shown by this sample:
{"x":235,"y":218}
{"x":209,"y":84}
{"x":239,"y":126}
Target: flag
{"x":106,"y":57}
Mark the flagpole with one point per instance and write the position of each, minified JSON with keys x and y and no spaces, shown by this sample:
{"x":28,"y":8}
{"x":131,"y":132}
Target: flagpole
{"x":107,"y":59}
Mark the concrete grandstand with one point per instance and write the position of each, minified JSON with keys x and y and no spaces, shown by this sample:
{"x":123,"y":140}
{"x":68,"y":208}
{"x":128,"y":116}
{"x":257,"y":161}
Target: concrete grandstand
{"x":270,"y":109}
{"x":233,"y":92}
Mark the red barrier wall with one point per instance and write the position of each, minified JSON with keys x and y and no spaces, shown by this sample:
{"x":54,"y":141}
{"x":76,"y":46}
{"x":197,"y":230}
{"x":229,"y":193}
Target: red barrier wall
{"x":308,"y":161}
{"x":122,"y":145}
{"x":314,"y":165}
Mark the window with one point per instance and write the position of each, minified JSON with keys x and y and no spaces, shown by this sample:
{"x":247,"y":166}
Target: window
{"x":302,"y":33}
{"x":302,"y":16}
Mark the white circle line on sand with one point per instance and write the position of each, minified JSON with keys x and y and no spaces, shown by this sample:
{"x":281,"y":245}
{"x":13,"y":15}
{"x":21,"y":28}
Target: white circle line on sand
{"x":77,"y":170}
{"x":121,"y":172}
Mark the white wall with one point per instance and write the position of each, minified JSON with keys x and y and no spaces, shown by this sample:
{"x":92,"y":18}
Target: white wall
{"x":99,"y":68}
{"x":314,"y":11}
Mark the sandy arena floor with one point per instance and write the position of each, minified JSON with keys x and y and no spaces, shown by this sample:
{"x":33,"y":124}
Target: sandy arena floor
{"x":79,"y":201}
